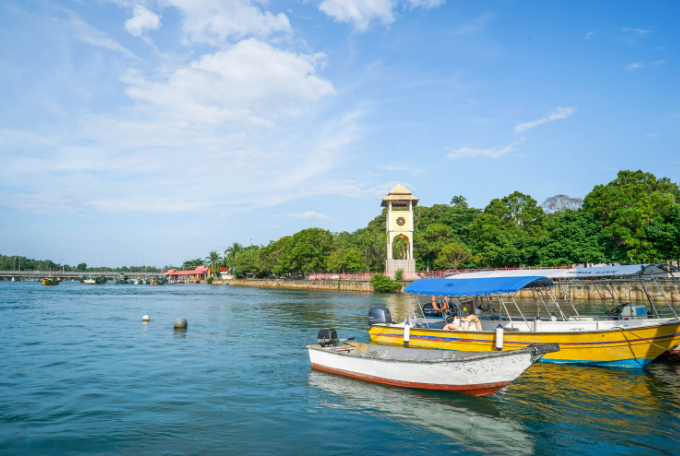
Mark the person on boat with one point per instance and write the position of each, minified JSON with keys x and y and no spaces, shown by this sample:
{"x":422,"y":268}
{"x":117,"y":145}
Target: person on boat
{"x":469,"y":319}
{"x":445,"y":305}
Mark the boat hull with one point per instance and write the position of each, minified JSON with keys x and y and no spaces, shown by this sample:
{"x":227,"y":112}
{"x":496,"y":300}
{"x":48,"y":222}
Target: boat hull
{"x":632,"y":348}
{"x":49,"y":283}
{"x":475,"y":377}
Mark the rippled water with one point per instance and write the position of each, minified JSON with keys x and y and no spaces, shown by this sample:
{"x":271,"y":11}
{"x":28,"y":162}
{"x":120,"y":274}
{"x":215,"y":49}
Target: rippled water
{"x":81,"y":374}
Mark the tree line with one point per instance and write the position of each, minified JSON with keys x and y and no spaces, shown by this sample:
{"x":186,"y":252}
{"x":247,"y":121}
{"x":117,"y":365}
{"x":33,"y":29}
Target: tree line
{"x":633,"y":219}
{"x":15,"y":262}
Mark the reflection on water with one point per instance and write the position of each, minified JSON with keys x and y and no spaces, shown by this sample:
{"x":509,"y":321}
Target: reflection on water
{"x":80,"y":373}
{"x":470,"y":423}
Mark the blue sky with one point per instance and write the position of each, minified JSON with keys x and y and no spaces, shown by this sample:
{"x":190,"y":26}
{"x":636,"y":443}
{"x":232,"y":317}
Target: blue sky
{"x":159,"y":130}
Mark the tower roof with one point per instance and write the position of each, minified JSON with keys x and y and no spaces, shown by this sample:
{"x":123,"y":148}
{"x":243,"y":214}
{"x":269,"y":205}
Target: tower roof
{"x":400,"y":196}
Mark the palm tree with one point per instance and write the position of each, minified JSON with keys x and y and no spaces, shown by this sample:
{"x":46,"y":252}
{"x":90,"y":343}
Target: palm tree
{"x":459,"y":201}
{"x":232,"y":252}
{"x":213,"y":260}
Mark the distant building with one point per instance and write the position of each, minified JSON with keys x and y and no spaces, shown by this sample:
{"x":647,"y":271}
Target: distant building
{"x":200,"y":273}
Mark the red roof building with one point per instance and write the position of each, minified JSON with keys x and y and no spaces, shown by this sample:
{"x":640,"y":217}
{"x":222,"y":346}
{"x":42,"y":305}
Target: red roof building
{"x":199,"y":273}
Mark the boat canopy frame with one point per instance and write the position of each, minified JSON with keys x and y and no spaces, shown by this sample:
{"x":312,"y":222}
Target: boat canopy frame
{"x":493,"y":290}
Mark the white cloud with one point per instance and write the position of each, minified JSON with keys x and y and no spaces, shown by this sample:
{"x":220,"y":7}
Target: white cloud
{"x":658,"y":62}
{"x":465,"y":152}
{"x":251,"y":81}
{"x":142,"y":20}
{"x":634,"y":66}
{"x":589,"y":35}
{"x":87,"y":34}
{"x":359,"y":12}
{"x":362,"y":12}
{"x":311,"y":215}
{"x":214,"y":21}
{"x":638,"y":31}
{"x":415,"y":171}
{"x":425,"y":3}
{"x":557,"y":114}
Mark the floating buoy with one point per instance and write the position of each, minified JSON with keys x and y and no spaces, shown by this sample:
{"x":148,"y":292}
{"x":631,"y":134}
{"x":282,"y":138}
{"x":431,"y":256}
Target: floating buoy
{"x":145,"y":318}
{"x":180,"y":323}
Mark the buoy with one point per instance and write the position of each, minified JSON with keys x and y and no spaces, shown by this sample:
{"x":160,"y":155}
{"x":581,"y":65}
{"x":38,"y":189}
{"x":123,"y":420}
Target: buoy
{"x":145,"y":318}
{"x":180,"y":323}
{"x":407,"y":332}
{"x":499,"y":338}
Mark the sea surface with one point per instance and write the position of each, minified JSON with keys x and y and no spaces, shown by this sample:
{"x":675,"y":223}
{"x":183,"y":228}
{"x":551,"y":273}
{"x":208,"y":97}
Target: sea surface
{"x":80,"y":373}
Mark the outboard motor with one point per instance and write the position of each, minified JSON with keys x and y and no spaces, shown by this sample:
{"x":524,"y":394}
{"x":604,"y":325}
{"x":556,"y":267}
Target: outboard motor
{"x":379,"y":315}
{"x":327,"y":337}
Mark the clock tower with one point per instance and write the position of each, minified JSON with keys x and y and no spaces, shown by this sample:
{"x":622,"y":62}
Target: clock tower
{"x":400,"y":203}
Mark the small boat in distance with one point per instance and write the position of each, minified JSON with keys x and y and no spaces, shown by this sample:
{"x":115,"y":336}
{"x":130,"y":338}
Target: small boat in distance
{"x":100,"y":280}
{"x":469,"y":372}
{"x":49,"y":281}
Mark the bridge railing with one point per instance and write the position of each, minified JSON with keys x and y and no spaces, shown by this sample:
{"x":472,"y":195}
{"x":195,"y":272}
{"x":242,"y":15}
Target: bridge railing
{"x":38,"y":274}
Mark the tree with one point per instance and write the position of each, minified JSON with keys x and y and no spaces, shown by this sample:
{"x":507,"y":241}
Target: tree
{"x":628,"y":204}
{"x":573,"y":236}
{"x":272,"y":257}
{"x":81,"y":267}
{"x":213,"y":259}
{"x":192,"y":264}
{"x":664,"y":233}
{"x":231,"y":253}
{"x":459,"y":201}
{"x":560,"y":203}
{"x":431,"y":241}
{"x":309,"y":250}
{"x":453,"y":255}
{"x":520,"y":210}
{"x":347,"y":259}
{"x":507,"y":233}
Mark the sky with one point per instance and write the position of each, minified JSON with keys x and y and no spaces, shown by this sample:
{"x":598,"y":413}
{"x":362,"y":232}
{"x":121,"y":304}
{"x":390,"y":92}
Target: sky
{"x":155,"y":131}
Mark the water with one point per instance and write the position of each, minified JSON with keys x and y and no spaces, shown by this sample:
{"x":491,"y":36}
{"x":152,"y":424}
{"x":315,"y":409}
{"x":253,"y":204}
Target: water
{"x":81,"y":374}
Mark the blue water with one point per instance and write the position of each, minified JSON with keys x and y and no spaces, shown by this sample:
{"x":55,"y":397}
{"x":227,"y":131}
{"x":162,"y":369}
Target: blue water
{"x":81,"y":374}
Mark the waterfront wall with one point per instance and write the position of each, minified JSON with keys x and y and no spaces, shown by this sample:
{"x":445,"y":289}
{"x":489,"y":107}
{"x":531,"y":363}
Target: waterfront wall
{"x":587,"y":291}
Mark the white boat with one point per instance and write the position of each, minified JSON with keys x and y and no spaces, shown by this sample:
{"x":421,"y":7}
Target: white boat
{"x":472,"y":373}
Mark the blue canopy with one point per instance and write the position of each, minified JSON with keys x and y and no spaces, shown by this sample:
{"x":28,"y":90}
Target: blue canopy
{"x":476,"y":287}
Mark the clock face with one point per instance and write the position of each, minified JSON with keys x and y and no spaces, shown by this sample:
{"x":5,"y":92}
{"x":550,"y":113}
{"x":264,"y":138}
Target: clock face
{"x":401,"y":221}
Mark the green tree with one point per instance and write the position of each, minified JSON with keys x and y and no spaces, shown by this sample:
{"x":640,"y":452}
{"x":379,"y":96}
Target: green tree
{"x":347,"y":259}
{"x":573,"y":237}
{"x":231,"y":253}
{"x":272,"y":257}
{"x":507,"y":234}
{"x":309,"y":250}
{"x":520,"y":210}
{"x":247,"y":262}
{"x":664,"y":233}
{"x":191,"y":264}
{"x":453,"y":255}
{"x":213,"y":260}
{"x":628,"y":204}
{"x":459,"y":201}
{"x":81,"y":267}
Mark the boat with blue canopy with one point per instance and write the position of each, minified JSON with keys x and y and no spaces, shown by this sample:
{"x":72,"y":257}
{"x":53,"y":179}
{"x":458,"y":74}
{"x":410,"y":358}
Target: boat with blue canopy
{"x":483,"y":314}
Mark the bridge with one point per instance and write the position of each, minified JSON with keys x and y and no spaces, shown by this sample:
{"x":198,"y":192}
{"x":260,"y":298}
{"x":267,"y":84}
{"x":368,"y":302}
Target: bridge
{"x":72,"y":274}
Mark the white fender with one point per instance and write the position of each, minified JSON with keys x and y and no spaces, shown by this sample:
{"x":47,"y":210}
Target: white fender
{"x":499,"y":338}
{"x":407,"y":332}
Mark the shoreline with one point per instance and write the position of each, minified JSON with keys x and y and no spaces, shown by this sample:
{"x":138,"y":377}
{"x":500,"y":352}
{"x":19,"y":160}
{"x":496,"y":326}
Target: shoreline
{"x":579,"y":291}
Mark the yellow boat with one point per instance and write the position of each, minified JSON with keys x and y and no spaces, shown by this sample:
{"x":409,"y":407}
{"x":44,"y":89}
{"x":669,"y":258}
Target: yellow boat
{"x":628,"y":339}
{"x":48,"y":281}
{"x":630,"y":346}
